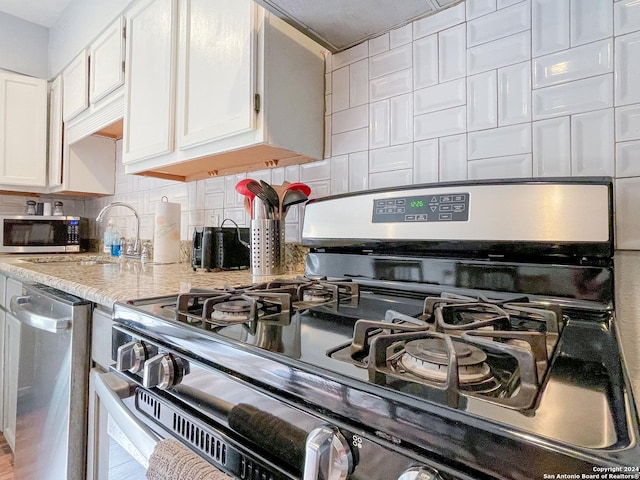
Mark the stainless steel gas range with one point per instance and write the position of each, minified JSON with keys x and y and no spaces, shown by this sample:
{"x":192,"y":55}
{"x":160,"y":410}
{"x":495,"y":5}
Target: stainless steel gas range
{"x":448,"y":331}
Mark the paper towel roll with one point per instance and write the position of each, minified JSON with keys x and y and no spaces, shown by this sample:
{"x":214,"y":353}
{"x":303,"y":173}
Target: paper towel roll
{"x":166,"y":233}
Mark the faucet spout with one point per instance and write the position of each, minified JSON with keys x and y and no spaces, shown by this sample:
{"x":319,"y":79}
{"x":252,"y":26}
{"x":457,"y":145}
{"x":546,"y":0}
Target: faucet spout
{"x":136,"y":245}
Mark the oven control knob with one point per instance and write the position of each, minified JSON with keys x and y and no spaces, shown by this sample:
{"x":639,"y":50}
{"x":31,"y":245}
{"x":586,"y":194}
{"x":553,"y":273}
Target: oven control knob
{"x":131,"y":356}
{"x":420,"y":473}
{"x":163,"y":371}
{"x":327,"y":455}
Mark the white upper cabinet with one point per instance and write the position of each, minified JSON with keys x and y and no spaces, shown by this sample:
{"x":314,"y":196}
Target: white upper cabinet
{"x":75,"y":86}
{"x":106,"y":61}
{"x":150,"y":71}
{"x":55,"y":133}
{"x":249,"y":91}
{"x":23,"y":130}
{"x":217,"y":78}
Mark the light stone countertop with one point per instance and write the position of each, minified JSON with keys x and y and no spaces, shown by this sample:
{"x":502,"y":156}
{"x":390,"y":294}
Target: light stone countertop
{"x":627,"y":308}
{"x":120,"y":280}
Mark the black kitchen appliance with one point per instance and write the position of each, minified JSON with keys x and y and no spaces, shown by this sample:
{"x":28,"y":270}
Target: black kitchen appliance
{"x":225,"y":248}
{"x":447,"y":331}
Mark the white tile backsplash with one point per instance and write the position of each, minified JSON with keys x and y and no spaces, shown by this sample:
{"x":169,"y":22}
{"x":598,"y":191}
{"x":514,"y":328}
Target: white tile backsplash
{"x":350,"y":55}
{"x":573,"y":64}
{"x":349,"y":142}
{"x":380,"y":126}
{"x":628,"y":123}
{"x":443,"y":20}
{"x":358,"y":171}
{"x":440,"y":124}
{"x":444,"y":99}
{"x":452,"y":53}
{"x":401,"y":119}
{"x":499,"y":53}
{"x":477,"y":8}
{"x":573,"y":97}
{"x":591,"y":20}
{"x":628,"y":159}
{"x":400,"y":36}
{"x":627,"y":68}
{"x":549,"y":26}
{"x":453,"y":158}
{"x":396,"y":178}
{"x":391,"y":85}
{"x":499,"y":24}
{"x":514,"y":94}
{"x":515,"y":166}
{"x":626,"y":17}
{"x":592,"y":143}
{"x":482,"y":101}
{"x":425,"y":161}
{"x":379,"y":44}
{"x":340,"y":89}
{"x":425,"y":61}
{"x":339,"y":174}
{"x":499,"y":142}
{"x":391,"y":61}
{"x":628,"y":213}
{"x":552,"y":147}
{"x":441,"y":96}
{"x":359,"y":83}
{"x":391,"y":158}
{"x":351,"y":119}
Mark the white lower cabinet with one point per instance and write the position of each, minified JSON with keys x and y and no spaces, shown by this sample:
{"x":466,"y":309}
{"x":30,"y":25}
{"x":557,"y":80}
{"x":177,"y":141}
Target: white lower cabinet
{"x":10,"y":390}
{"x":228,"y":87}
{"x":11,"y":352}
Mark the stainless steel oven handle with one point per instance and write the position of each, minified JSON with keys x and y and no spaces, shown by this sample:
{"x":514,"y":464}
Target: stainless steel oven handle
{"x":111,"y":389}
{"x":19,"y":307}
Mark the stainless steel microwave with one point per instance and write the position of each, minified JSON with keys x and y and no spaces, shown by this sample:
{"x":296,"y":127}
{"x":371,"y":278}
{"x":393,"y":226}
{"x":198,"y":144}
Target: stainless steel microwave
{"x":43,"y":234}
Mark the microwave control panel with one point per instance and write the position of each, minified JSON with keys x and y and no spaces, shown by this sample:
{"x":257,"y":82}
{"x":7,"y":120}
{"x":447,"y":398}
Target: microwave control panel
{"x":450,"y":207}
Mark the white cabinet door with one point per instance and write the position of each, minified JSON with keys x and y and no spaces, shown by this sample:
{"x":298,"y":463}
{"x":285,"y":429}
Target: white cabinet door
{"x":217,"y":77}
{"x":11,"y":362}
{"x":75,"y":86}
{"x":23,"y":130}
{"x":150,"y":71}
{"x":10,"y":389}
{"x":55,"y":133}
{"x":106,"y":61}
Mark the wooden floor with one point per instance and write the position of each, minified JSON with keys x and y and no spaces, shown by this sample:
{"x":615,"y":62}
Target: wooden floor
{"x":6,"y":460}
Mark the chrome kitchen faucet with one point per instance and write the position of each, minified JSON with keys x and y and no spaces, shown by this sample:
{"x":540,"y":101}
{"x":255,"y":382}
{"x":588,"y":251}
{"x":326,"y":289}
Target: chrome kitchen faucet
{"x":136,"y":246}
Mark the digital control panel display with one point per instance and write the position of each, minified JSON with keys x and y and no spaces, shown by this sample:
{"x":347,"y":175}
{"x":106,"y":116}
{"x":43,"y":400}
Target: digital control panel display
{"x":450,"y":207}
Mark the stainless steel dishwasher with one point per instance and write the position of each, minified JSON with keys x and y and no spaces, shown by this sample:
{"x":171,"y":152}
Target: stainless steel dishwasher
{"x":53,"y":370}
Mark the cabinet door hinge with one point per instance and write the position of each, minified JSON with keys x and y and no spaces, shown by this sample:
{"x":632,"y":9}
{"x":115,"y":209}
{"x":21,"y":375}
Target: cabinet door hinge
{"x":256,"y":102}
{"x":123,"y":62}
{"x":124,"y":32}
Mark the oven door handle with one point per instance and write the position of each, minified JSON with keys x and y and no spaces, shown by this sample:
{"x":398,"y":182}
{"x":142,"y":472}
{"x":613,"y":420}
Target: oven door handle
{"x":109,"y":389}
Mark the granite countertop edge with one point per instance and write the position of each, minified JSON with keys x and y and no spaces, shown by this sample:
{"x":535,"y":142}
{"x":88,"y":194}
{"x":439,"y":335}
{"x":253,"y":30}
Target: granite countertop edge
{"x":105,"y":281}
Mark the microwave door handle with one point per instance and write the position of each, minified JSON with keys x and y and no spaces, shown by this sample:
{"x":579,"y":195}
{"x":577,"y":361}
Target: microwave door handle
{"x":19,"y":307}
{"x":110,"y":389}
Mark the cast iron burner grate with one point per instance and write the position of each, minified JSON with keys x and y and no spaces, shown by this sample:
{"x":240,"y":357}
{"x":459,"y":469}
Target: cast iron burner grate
{"x":270,"y":302}
{"x":494,"y":350}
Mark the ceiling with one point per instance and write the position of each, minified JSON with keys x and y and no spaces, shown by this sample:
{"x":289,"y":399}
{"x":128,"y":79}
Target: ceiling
{"x":41,"y":12}
{"x":340,"y":24}
{"x":336,"y":24}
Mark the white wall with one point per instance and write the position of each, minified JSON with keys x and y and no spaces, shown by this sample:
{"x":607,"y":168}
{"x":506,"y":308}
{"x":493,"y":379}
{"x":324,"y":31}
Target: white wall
{"x":485,"y":89}
{"x":79,"y":24}
{"x":23,"y":46}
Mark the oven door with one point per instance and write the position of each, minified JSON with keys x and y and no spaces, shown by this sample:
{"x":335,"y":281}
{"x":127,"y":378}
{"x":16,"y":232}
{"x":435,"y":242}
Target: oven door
{"x":119,"y":444}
